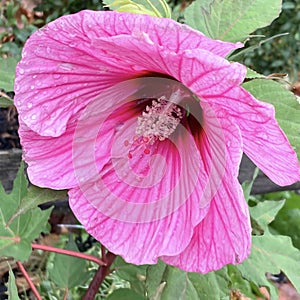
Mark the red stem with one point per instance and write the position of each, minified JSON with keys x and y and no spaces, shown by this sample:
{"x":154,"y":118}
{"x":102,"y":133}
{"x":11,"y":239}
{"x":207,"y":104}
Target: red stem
{"x":101,"y":273}
{"x":70,"y":253}
{"x":27,"y":277}
{"x":66,"y":294}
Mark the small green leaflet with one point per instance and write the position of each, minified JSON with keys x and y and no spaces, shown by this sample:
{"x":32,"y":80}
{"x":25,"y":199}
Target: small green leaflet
{"x":5,"y":102}
{"x":164,"y":282}
{"x":125,"y":294}
{"x":271,"y":254}
{"x":247,"y":185}
{"x":231,"y":20}
{"x":131,"y":273}
{"x":239,"y":283}
{"x":213,"y":285}
{"x":287,"y":220}
{"x":251,"y":74}
{"x":16,"y":237}
{"x":154,"y":283}
{"x":36,"y":196}
{"x":156,"y":8}
{"x":265,"y":212}
{"x":66,"y":269}
{"x":287,"y":107}
{"x":12,"y":290}
{"x":7,"y":72}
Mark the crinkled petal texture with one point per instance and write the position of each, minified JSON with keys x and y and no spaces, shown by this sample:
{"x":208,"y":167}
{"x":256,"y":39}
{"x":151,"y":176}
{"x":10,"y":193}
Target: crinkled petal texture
{"x":224,"y":235}
{"x":181,"y":202}
{"x":69,"y":62}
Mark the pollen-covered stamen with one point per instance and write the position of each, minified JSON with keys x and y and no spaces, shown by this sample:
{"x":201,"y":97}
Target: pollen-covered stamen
{"x":157,"y":123}
{"x":159,"y":120}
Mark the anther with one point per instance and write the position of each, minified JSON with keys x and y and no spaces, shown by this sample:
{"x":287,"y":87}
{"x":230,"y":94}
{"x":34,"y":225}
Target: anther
{"x":159,"y":120}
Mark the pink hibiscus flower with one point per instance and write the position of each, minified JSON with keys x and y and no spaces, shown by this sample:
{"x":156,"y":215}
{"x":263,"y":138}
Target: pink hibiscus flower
{"x":145,"y":122}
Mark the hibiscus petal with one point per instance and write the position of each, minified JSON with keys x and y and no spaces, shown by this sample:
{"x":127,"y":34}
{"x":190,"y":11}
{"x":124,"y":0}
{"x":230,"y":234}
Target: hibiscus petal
{"x":264,"y":141}
{"x":62,"y":67}
{"x":216,"y":81}
{"x":224,"y":235}
{"x":139,"y":215}
{"x":49,"y":159}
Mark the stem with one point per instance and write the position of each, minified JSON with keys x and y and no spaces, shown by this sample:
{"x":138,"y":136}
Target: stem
{"x":101,"y":273}
{"x":70,"y":253}
{"x":66,"y":294}
{"x":27,"y":277}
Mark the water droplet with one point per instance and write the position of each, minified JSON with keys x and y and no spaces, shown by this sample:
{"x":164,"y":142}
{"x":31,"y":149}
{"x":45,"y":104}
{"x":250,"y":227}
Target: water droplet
{"x":73,"y":44}
{"x":48,"y":50}
{"x":33,"y":117}
{"x":29,"y":105}
{"x":67,"y":66}
{"x":32,"y":87}
{"x":56,"y":76}
{"x":121,"y":18}
{"x":65,"y":79}
{"x":17,"y":87}
{"x":21,"y":71}
{"x":34,"y":76}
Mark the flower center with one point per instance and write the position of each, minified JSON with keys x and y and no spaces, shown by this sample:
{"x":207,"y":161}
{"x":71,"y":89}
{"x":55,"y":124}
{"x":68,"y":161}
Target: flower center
{"x":157,"y":123}
{"x":159,"y":120}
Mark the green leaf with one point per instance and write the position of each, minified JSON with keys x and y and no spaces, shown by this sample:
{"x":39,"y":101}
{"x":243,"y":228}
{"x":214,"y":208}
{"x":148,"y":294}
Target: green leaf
{"x":136,"y":275}
{"x":238,"y":282}
{"x":154,"y":277}
{"x":287,"y":220}
{"x":125,"y":294}
{"x":164,"y":282}
{"x":12,"y":290}
{"x":5,"y":102}
{"x":156,"y":8}
{"x":231,"y":20}
{"x":213,"y":285}
{"x":66,"y":269}
{"x":16,"y":237}
{"x":272,"y":254}
{"x":251,"y":74}
{"x":247,"y":185}
{"x":36,"y":196}
{"x":287,"y":107}
{"x":7,"y":72}
{"x":264,"y":212}
{"x":178,"y":285}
